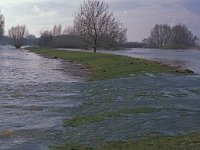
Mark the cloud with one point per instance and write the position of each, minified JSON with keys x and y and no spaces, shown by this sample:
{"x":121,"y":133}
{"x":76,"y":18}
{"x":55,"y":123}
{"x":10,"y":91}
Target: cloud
{"x":193,"y":6}
{"x":43,"y":14}
{"x":141,"y":16}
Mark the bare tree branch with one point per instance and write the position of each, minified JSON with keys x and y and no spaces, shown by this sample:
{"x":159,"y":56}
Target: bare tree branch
{"x":18,"y":35}
{"x":96,"y":25}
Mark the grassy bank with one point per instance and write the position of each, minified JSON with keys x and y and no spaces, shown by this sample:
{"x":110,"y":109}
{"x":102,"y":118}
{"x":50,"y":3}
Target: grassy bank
{"x":184,"y":142}
{"x":107,"y":66}
{"x":87,"y":119}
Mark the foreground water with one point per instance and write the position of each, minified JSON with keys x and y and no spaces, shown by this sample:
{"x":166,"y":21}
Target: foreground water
{"x":36,"y":95}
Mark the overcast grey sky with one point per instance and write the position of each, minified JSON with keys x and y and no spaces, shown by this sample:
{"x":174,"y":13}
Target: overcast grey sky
{"x":139,"y":16}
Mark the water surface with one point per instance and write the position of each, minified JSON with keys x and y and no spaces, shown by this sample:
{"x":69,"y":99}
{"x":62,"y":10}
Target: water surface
{"x":36,"y":95}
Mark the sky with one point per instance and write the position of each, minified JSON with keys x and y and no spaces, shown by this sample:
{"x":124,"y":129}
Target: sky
{"x":139,"y":16}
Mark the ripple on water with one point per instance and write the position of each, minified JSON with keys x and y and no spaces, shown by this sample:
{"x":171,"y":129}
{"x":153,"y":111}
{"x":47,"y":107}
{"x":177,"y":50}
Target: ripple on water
{"x":35,"y":98}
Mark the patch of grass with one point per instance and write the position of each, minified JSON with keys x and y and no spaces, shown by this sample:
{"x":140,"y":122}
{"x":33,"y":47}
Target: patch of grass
{"x":196,"y":91}
{"x":73,"y":146}
{"x":107,"y":66}
{"x":87,"y":119}
{"x":182,"y":142}
{"x":187,"y":142}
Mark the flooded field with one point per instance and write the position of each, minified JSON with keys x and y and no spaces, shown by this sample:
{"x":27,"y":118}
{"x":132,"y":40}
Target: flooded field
{"x":36,"y":95}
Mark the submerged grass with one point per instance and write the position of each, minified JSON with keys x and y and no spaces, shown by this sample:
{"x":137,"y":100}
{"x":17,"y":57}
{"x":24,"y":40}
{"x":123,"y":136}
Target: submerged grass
{"x":182,"y":142}
{"x":87,"y":119}
{"x":107,"y":66}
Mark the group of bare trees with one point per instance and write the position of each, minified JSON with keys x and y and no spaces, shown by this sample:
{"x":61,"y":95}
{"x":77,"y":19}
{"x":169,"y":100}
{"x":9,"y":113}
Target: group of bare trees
{"x":164,"y":36}
{"x":16,"y":34}
{"x":97,"y":27}
{"x":94,"y":27}
{"x":60,"y":37}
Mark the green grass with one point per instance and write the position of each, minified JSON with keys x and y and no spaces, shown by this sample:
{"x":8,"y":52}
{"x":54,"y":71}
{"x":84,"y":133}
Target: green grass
{"x":107,"y":66}
{"x":87,"y":119}
{"x":182,"y":142}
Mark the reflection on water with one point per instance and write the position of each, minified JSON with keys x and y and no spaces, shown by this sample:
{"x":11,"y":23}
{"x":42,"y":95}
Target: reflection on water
{"x":184,"y":58}
{"x":35,"y":97}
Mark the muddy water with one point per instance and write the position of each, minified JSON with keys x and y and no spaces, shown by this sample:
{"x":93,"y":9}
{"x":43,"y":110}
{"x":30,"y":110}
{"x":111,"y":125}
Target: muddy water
{"x":36,"y":95}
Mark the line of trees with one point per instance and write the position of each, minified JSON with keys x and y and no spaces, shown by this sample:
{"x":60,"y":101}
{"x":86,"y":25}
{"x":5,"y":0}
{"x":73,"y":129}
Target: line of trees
{"x":164,"y":36}
{"x":94,"y":27}
{"x":59,"y":37}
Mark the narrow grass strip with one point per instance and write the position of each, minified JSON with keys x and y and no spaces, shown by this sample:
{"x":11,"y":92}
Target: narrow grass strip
{"x":87,"y":119}
{"x":107,"y":66}
{"x":182,"y":142}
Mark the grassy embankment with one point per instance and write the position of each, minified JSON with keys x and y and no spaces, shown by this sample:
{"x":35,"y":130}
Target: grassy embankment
{"x":107,"y":66}
{"x":183,"y":142}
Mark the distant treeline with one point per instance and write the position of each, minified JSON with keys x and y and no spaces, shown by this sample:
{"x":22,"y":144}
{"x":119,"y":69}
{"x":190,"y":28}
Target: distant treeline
{"x":67,"y":38}
{"x":60,"y":38}
{"x":176,"y":37}
{"x":29,"y":40}
{"x":133,"y":45}
{"x":161,"y":36}
{"x":95,"y":27}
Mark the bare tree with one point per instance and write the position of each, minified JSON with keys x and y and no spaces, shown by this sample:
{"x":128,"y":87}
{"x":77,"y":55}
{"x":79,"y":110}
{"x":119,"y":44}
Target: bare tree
{"x":46,"y":38}
{"x":164,"y":36}
{"x":18,"y":35}
{"x":95,"y":25}
{"x":160,"y":36}
{"x":2,"y":24}
{"x":181,"y":37}
{"x":68,"y":31}
{"x":57,"y":30}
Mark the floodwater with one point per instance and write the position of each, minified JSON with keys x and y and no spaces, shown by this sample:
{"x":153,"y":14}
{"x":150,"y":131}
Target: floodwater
{"x":36,"y":95}
{"x":183,"y":58}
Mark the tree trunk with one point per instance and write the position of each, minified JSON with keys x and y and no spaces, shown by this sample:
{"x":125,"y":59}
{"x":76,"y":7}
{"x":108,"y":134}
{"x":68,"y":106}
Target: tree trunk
{"x":95,"y":45}
{"x":95,"y":49}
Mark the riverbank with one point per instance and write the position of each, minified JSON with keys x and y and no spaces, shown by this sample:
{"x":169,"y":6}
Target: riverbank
{"x":106,"y":66}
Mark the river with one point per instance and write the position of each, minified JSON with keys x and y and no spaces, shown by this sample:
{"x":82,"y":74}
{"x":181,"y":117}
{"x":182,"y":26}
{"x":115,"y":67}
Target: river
{"x":36,"y":95}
